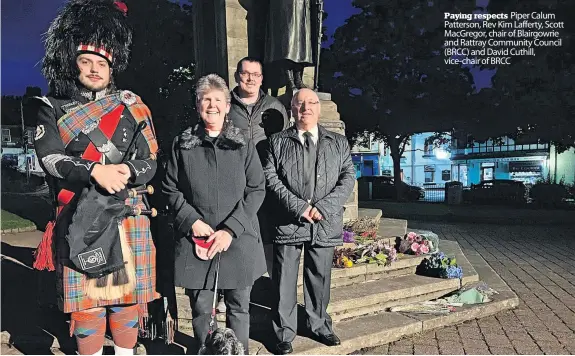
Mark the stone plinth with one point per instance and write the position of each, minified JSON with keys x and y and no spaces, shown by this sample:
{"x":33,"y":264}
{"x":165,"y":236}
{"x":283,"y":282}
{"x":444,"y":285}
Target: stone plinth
{"x":237,"y":36}
{"x":222,"y":33}
{"x":330,"y":119}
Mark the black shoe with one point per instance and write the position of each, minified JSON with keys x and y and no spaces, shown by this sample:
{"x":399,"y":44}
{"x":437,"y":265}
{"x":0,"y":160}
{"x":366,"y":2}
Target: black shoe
{"x":328,"y":339}
{"x":284,"y":348}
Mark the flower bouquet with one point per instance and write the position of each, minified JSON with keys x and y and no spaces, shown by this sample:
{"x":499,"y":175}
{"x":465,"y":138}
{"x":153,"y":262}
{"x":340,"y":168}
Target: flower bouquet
{"x":375,"y":252}
{"x":378,"y":252}
{"x":416,"y":244}
{"x":343,"y":258}
{"x":359,"y":230}
{"x":440,"y":266}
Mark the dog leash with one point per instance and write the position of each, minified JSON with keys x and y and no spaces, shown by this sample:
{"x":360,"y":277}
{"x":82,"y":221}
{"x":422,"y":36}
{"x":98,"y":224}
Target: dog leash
{"x":213,"y":319}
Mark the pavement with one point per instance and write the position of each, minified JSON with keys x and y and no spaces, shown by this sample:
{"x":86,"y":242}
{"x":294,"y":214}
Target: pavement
{"x":535,"y":261}
{"x":538,"y":265}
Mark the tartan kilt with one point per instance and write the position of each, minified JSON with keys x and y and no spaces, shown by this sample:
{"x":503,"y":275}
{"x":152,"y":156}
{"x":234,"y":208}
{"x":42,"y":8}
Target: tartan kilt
{"x":139,"y":236}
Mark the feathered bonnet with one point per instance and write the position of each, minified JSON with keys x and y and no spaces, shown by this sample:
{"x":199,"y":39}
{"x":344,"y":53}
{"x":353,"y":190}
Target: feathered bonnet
{"x":85,"y":26}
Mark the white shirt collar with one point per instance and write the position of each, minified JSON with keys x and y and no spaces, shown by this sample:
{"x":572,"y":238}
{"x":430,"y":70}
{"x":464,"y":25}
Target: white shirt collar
{"x":314,"y":134}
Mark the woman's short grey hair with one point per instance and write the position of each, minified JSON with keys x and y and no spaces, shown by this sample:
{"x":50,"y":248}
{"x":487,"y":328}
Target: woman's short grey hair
{"x":211,"y":82}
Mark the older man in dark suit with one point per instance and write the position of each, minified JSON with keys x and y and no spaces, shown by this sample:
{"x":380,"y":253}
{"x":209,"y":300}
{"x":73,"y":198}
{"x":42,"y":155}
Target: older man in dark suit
{"x":310,"y":174}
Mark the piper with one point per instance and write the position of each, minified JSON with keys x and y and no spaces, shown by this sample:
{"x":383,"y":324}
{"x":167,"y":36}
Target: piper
{"x":83,"y":131}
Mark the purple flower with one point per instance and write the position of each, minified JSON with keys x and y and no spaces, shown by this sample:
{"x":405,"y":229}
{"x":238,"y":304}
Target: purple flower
{"x":348,"y":236}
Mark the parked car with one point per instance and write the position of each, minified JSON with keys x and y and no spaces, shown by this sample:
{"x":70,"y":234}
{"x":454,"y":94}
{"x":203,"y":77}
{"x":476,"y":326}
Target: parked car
{"x":383,"y":187}
{"x":496,"y":191}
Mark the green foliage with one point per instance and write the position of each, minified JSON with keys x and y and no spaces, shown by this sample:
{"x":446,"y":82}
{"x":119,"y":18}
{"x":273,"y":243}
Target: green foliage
{"x":548,"y":192}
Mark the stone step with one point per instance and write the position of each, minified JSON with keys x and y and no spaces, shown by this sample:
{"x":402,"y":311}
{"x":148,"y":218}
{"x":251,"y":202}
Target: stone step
{"x":356,"y":333}
{"x":364,"y":272}
{"x":348,"y":301}
{"x":372,"y":213}
{"x":356,"y":300}
{"x":392,"y":228}
{"x":381,"y":328}
{"x":360,"y":273}
{"x":366,"y":292}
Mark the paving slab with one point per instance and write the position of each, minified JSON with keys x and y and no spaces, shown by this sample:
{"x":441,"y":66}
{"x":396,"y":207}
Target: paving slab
{"x":355,"y":334}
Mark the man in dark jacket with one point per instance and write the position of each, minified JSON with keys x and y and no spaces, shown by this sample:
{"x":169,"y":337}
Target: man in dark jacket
{"x":258,"y":115}
{"x":310,"y":175}
{"x":251,"y":106}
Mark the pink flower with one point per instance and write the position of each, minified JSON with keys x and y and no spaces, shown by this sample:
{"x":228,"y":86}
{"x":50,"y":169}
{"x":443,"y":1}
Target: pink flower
{"x":411,"y":236}
{"x":424,"y":249}
{"x":414,"y":247}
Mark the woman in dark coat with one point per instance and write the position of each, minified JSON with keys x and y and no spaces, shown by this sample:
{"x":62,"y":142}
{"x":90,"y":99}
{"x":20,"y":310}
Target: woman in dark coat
{"x":215,"y":185}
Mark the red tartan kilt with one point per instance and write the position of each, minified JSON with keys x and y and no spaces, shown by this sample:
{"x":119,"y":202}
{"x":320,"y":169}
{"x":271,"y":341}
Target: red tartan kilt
{"x":140,"y":240}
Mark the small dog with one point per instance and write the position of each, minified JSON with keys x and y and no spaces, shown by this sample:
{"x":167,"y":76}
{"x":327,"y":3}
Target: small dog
{"x":222,"y":342}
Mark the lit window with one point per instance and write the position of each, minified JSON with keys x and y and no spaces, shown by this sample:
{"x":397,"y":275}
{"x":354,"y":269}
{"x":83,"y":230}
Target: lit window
{"x":6,"y":135}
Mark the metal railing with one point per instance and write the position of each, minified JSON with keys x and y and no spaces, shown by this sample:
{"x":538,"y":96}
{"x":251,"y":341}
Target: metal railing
{"x":433,"y":192}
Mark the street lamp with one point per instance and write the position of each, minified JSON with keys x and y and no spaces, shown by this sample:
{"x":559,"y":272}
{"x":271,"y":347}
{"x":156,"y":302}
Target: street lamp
{"x":440,"y":153}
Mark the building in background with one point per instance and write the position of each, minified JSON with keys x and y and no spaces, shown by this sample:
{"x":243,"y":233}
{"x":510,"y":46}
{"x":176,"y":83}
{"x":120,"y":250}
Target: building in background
{"x":18,"y":129}
{"x":421,"y":163}
{"x":366,"y":154}
{"x":509,"y":159}
{"x":13,"y":147}
{"x":519,"y":160}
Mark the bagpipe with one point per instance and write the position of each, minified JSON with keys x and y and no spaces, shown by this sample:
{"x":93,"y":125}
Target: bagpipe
{"x":97,"y":238}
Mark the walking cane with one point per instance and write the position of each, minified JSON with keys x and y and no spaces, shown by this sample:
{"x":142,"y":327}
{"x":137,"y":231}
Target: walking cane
{"x":213,"y":319}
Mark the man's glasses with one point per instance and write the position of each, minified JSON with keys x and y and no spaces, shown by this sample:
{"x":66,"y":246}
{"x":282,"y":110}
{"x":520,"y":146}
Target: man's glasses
{"x":248,"y":74}
{"x":299,"y":104}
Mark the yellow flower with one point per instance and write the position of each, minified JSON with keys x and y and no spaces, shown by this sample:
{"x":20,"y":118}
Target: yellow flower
{"x":348,"y":263}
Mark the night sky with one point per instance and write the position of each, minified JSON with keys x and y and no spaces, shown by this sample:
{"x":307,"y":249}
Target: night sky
{"x":24,"y":22}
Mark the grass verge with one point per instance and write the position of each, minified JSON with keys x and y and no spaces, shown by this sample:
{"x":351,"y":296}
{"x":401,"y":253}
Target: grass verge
{"x":13,"y":221}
